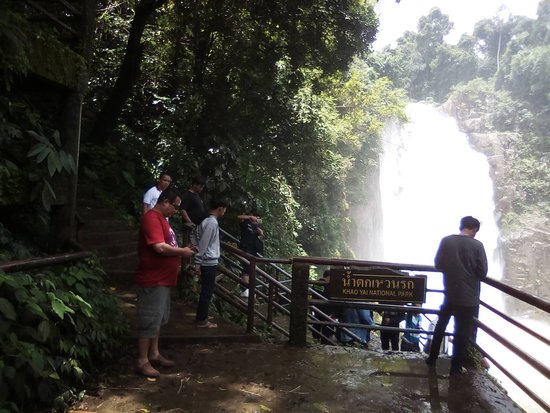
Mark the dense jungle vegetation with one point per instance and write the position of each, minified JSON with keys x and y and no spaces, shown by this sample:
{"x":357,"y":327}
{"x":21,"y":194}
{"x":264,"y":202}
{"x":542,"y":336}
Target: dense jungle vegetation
{"x":276,"y":103}
{"x":279,"y":104}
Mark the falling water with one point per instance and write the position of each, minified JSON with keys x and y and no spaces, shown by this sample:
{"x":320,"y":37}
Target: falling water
{"x":430,"y":177}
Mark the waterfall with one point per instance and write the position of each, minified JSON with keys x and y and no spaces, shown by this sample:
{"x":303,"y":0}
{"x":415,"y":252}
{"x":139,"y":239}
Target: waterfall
{"x":430,"y":177}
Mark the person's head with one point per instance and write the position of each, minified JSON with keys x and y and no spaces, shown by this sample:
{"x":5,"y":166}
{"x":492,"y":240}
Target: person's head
{"x":169,"y":202}
{"x":164,"y":181}
{"x":469,"y":226}
{"x":218,"y":207}
{"x":255,"y":212}
{"x":326,"y":276}
{"x":197,"y":184}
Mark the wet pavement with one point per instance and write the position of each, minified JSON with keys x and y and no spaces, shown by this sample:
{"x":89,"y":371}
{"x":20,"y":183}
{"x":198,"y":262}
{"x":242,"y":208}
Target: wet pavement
{"x":263,"y":377}
{"x":226,"y":371}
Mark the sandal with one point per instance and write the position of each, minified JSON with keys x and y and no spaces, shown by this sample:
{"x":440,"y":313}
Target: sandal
{"x":148,"y":371}
{"x":206,"y":324}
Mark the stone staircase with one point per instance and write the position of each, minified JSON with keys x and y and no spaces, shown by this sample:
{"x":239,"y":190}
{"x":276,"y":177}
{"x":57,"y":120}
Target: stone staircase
{"x":112,"y":238}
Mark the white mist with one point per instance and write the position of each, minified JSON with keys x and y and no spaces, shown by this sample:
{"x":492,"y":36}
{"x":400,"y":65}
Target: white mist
{"x":430,"y":177}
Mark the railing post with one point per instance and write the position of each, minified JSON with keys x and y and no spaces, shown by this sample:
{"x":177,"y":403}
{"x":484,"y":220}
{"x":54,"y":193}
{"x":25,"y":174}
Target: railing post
{"x":251,"y":294}
{"x":299,"y":304}
{"x":271,"y":297}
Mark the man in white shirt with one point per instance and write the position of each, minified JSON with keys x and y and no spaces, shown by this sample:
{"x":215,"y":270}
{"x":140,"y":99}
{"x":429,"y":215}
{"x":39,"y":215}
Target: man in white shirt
{"x":152,"y":195}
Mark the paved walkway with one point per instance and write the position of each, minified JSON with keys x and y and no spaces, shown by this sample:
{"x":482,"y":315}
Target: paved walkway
{"x":239,"y":378}
{"x":250,"y":377}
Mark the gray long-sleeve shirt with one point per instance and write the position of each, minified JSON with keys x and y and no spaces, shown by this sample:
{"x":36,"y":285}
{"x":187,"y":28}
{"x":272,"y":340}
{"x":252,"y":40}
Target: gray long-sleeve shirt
{"x":209,"y":242}
{"x":463,"y":261}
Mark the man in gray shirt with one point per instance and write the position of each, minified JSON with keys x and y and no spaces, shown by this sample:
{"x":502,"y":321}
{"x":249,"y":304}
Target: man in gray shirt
{"x":463,"y":262}
{"x":206,"y":260}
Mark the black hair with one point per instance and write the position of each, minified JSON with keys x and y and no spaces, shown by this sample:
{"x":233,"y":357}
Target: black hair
{"x":198,"y":180}
{"x":170,"y":194}
{"x":217,"y":203}
{"x":469,"y":222}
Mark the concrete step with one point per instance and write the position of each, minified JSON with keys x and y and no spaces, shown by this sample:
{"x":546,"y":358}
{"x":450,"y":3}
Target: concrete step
{"x":90,"y":213}
{"x":100,"y":225}
{"x":98,"y":239}
{"x":122,"y":262}
{"x":109,"y":249}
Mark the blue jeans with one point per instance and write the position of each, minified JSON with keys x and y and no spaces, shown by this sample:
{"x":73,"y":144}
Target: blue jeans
{"x":464,"y":324}
{"x":208,"y":282}
{"x":356,"y":316}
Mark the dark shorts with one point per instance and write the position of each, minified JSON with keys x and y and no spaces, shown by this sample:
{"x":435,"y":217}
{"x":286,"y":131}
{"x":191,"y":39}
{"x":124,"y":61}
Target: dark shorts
{"x":153,"y":309}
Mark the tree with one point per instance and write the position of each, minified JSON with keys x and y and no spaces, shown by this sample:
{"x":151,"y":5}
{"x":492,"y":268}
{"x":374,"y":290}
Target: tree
{"x":128,"y":74}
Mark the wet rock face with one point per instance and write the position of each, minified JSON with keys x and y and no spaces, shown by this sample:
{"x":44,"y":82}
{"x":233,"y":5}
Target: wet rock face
{"x":527,"y":257}
{"x":525,"y":239}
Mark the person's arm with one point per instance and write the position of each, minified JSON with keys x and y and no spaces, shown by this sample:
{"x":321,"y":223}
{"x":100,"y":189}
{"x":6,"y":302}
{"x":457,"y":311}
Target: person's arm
{"x":207,"y":232}
{"x":163,"y":248}
{"x":482,"y":266}
{"x":439,"y":259}
{"x":147,"y":198}
{"x":245,"y":217}
{"x":185,"y":216}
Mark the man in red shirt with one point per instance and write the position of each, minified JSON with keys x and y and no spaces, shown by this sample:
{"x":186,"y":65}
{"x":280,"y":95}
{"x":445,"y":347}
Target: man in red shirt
{"x":159,"y":262}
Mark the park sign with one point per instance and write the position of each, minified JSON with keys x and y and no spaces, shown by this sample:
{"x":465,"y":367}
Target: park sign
{"x":365,"y":286}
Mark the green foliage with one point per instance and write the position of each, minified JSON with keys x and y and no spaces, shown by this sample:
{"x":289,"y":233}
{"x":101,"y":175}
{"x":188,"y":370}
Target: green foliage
{"x":31,"y":155}
{"x":111,"y":171}
{"x":56,"y":326}
{"x":528,"y":78}
{"x":423,"y":64}
{"x":13,"y":46}
{"x":249,"y":97}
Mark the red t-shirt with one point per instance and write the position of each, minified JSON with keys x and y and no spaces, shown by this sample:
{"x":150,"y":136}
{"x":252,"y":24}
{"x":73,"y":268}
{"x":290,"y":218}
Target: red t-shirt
{"x":155,"y":269}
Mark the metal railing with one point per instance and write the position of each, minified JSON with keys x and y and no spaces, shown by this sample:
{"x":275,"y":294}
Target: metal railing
{"x":302,"y":306}
{"x":39,"y":262}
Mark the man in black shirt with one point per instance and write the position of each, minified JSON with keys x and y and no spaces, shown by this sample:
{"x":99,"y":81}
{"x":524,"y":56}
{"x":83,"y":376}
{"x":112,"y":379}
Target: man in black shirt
{"x":192,"y":208}
{"x":250,"y":240}
{"x":463,"y":262}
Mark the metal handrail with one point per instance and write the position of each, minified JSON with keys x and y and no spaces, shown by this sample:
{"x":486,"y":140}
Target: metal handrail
{"x":541,"y":368}
{"x":530,"y":299}
{"x":317,"y":301}
{"x":37,"y":262}
{"x":514,"y":379}
{"x":534,"y":334}
{"x":534,"y":301}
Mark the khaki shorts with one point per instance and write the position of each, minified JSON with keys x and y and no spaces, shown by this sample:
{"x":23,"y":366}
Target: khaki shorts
{"x":153,"y":309}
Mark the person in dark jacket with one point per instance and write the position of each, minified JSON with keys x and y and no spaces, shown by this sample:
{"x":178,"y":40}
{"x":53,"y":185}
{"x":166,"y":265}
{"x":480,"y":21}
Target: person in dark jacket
{"x":390,"y":319}
{"x":250,"y":241}
{"x":463,"y":262}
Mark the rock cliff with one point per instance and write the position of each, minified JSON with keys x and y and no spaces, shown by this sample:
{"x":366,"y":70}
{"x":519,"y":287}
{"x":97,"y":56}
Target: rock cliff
{"x":525,"y":237}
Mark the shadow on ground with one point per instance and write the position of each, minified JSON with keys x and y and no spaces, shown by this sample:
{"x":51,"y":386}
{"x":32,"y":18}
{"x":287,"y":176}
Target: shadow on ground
{"x":261,"y":377}
{"x":225,"y":370}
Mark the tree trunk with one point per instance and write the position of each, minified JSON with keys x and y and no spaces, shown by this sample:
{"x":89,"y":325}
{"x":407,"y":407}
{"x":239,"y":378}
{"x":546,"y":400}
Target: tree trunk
{"x":128,"y":74}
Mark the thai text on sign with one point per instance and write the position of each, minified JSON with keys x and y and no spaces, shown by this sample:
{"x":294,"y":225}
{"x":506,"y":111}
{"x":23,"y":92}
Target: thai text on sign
{"x":357,"y":285}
